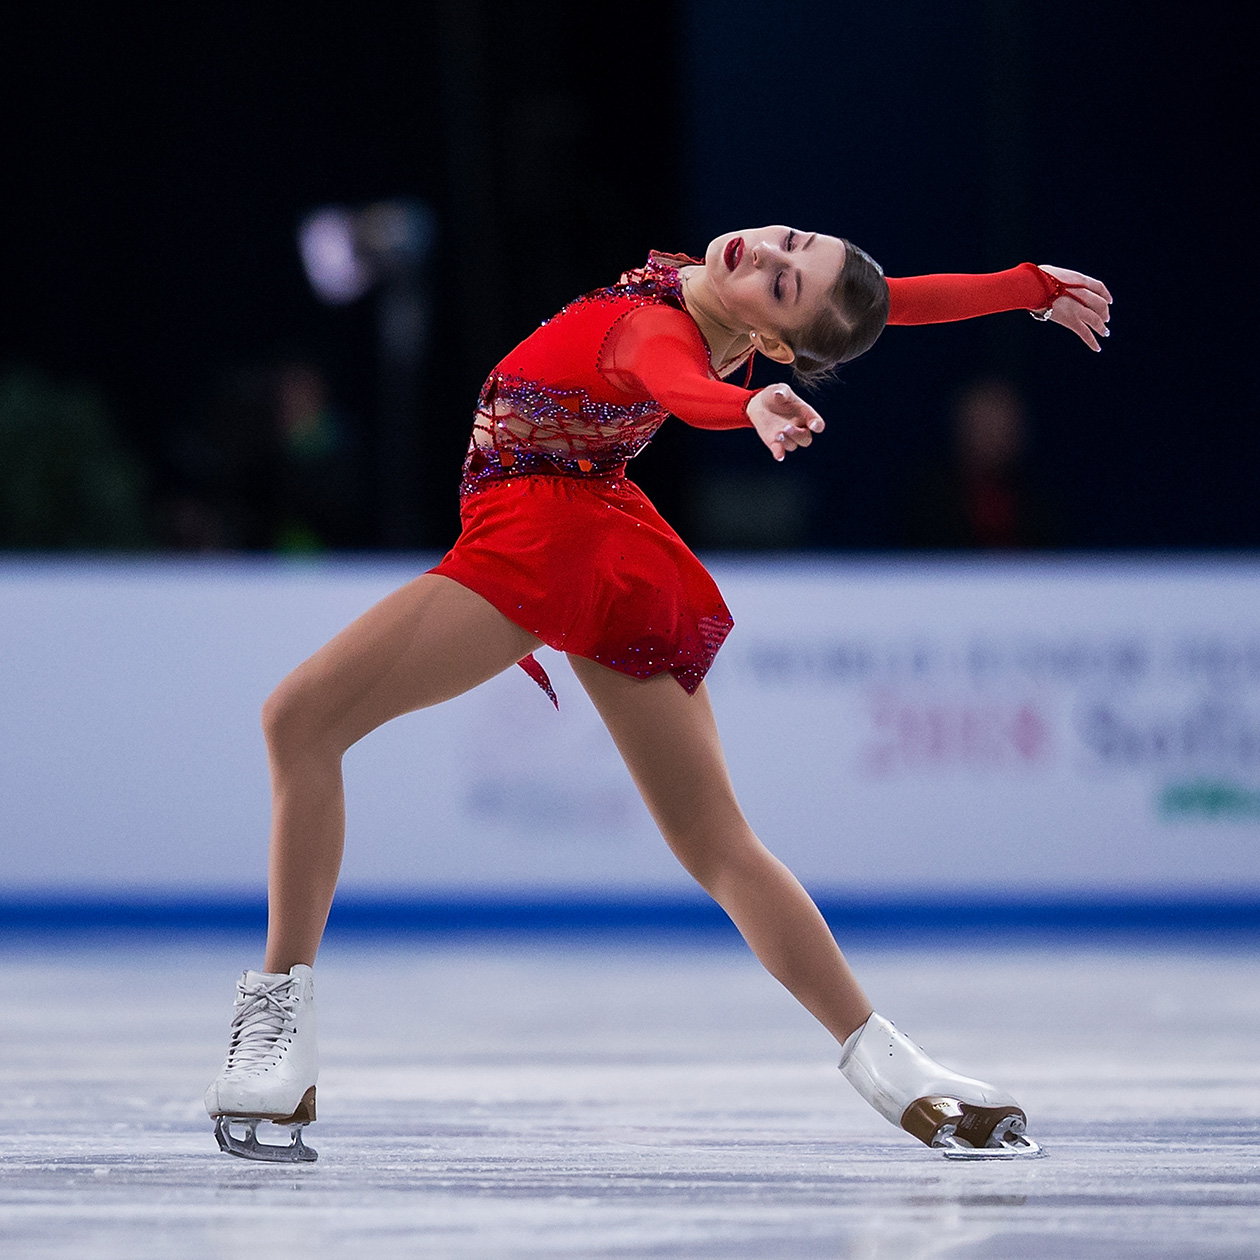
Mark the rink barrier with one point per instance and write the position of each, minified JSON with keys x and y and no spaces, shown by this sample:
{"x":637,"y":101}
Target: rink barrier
{"x":1067,"y":726}
{"x":884,"y":918}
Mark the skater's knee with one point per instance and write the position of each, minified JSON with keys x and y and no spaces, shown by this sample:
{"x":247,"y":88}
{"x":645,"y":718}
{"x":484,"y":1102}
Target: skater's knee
{"x":279,"y":716}
{"x":715,"y":848}
{"x":293,"y":718}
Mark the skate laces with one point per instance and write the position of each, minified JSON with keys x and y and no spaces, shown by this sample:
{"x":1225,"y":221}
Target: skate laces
{"x":263,"y":1023}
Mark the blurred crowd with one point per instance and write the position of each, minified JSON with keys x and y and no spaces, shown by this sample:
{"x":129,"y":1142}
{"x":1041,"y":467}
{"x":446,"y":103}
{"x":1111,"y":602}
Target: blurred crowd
{"x":265,"y":463}
{"x":268,"y":463}
{"x":66,"y":481}
{"x":983,"y":494}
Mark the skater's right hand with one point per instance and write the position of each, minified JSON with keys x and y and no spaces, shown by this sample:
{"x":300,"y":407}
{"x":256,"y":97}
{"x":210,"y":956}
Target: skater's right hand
{"x":783,"y":419}
{"x":1084,"y":309}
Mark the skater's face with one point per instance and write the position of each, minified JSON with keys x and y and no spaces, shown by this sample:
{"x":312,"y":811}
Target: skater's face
{"x":774,"y":281}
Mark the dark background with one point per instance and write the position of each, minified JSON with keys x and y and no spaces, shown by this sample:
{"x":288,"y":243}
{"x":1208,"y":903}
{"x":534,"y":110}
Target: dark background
{"x":157,"y":162}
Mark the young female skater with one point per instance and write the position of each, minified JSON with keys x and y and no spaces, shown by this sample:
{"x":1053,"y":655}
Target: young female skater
{"x":559,"y":548}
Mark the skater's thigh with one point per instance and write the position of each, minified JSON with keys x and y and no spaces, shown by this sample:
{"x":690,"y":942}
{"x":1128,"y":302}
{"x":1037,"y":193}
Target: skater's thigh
{"x":427,"y":642}
{"x":669,"y":741}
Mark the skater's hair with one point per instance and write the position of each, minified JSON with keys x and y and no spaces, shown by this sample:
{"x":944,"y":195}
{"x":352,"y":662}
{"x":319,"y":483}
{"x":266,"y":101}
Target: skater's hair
{"x":846,"y":326}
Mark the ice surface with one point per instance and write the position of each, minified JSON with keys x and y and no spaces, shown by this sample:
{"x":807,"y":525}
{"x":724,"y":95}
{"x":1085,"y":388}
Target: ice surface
{"x":521,"y":1099}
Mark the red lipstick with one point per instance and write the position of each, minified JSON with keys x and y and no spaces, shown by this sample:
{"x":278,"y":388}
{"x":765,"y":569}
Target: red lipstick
{"x":733,"y":252}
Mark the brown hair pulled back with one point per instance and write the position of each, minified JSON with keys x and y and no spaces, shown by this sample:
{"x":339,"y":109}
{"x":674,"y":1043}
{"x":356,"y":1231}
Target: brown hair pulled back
{"x":849,"y":324}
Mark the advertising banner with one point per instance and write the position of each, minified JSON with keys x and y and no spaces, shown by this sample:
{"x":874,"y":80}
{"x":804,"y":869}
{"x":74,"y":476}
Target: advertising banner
{"x":917,"y":728}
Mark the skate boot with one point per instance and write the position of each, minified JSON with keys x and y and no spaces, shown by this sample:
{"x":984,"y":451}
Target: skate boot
{"x":964,"y":1118}
{"x":271,"y":1069}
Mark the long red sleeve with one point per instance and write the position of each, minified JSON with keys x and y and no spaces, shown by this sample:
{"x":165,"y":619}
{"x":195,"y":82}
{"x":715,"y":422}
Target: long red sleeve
{"x":944,"y":298}
{"x":659,"y":350}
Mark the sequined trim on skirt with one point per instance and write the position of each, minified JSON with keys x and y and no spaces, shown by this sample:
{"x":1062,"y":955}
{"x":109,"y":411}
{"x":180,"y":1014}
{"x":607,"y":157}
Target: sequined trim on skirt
{"x":590,"y":567}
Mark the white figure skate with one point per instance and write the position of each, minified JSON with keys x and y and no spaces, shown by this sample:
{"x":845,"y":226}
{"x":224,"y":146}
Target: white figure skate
{"x":272,"y":1066}
{"x":964,"y":1118}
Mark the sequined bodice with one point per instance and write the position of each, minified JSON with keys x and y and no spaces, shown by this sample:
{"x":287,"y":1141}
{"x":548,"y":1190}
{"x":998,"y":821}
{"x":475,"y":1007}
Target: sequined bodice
{"x":551,"y":408}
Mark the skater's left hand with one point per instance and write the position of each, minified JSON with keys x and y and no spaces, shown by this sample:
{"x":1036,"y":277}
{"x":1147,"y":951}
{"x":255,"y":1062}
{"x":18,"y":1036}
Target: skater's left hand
{"x":1085,"y":309}
{"x":783,"y":419}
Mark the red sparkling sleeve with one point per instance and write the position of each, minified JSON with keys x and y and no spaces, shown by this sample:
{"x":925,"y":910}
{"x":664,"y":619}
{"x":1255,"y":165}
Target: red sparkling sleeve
{"x":944,"y":298}
{"x":659,"y":350}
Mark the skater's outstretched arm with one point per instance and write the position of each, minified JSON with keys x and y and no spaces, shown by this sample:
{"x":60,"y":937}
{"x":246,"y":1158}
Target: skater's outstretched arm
{"x":1077,"y":301}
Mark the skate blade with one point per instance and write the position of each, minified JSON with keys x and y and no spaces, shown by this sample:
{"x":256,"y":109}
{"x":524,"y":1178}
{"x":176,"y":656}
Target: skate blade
{"x":249,"y":1147}
{"x":1013,"y":1146}
{"x":964,"y":1130}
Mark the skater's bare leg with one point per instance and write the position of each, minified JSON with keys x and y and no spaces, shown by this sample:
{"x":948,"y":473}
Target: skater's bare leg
{"x":670,"y":743}
{"x":427,"y":642}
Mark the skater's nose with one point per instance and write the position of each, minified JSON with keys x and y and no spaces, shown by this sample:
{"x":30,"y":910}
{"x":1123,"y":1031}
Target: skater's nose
{"x":767,"y":254}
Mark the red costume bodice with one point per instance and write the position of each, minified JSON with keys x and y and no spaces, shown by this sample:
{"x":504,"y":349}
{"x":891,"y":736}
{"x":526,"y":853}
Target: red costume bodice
{"x":586,"y":391}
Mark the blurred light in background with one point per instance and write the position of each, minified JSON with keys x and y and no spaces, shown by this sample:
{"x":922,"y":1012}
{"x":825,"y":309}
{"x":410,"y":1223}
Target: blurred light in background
{"x":333,"y":265}
{"x":384,"y":246}
{"x":346,"y":251}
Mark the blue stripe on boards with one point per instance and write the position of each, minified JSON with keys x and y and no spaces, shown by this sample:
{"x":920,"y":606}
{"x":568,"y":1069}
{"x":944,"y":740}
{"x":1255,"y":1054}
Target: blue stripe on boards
{"x":887,"y":917}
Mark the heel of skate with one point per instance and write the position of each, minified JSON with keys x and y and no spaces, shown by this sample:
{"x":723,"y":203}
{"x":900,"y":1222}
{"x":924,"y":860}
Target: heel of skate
{"x":961,"y":1130}
{"x":248,"y":1146}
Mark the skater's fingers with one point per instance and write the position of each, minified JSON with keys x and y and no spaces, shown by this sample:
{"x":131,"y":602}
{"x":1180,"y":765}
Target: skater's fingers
{"x":785,"y":402}
{"x":793,"y":435}
{"x":1086,"y":334}
{"x":1094,"y":288}
{"x":782,"y":433}
{"x":1095,"y":321}
{"x":1094,"y":303}
{"x":1087,"y":323}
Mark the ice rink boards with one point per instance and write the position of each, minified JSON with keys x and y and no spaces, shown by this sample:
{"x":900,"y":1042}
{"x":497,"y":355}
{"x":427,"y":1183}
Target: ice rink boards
{"x":591,"y":1098}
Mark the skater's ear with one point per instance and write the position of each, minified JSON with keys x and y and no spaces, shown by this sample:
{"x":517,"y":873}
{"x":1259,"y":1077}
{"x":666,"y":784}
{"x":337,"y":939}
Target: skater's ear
{"x":772,"y":346}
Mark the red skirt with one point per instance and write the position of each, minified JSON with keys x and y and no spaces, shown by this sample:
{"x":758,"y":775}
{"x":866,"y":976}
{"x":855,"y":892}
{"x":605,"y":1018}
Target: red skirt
{"x":589,"y":566}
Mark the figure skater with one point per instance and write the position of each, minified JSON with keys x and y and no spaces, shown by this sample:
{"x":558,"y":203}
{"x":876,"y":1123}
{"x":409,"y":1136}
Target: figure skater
{"x":558,"y":547}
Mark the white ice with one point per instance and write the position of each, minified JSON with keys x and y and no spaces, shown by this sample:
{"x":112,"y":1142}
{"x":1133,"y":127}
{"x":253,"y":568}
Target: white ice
{"x":514,"y":1098}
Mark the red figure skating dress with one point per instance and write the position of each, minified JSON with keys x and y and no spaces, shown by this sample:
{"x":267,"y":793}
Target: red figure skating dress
{"x":555,"y":535}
